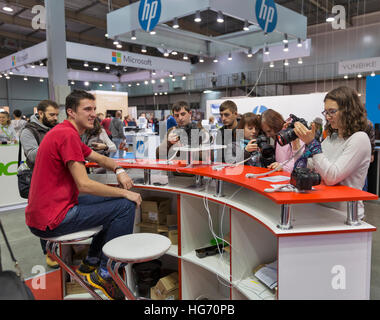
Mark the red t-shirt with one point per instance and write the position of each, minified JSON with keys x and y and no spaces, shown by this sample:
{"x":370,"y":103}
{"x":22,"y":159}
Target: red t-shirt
{"x":53,"y":190}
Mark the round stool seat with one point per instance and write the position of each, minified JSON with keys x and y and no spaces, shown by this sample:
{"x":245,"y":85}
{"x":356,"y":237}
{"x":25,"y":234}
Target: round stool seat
{"x":137,"y":247}
{"x":76,"y":236}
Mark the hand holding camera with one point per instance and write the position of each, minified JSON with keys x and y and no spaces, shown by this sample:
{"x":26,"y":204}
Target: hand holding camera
{"x":305,"y":134}
{"x":252,"y":146}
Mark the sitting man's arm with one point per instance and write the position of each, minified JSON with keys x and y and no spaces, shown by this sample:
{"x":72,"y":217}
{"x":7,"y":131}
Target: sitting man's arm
{"x":88,"y":186}
{"x":108,"y":163}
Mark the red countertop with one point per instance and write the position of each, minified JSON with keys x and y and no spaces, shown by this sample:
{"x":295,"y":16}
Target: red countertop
{"x":237,"y":175}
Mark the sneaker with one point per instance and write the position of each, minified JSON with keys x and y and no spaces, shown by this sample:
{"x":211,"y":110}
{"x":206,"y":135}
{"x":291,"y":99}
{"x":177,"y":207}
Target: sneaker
{"x":85,"y":268}
{"x":107,"y":286}
{"x":51,"y":263}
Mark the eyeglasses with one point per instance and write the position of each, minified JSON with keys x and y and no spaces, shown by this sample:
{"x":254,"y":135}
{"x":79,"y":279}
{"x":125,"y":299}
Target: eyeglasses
{"x":330,"y":112}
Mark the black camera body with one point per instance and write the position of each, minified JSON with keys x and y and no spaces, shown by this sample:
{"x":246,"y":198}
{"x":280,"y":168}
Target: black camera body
{"x":304,"y":178}
{"x":288,"y":135}
{"x":267,"y":151}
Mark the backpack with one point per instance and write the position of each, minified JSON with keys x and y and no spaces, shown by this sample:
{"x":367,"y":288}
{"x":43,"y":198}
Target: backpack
{"x":24,"y":177}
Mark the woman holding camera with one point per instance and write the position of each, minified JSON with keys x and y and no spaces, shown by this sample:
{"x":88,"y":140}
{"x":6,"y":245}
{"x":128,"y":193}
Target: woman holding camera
{"x":344,"y":156}
{"x":272,"y":123}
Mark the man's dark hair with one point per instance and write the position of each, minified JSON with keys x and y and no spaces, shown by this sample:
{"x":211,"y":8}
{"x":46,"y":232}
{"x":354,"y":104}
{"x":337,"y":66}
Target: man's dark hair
{"x":74,"y":98}
{"x":179,"y":105}
{"x":17,"y":113}
{"x":42,"y":106}
{"x":228,"y":105}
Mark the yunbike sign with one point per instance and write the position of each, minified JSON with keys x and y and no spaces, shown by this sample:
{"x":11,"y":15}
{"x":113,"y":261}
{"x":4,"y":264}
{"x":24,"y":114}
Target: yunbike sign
{"x":362,"y":65}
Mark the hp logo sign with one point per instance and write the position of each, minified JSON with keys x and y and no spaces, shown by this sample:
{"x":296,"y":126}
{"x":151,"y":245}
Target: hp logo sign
{"x":266,"y":15}
{"x":149,"y":14}
{"x":259,"y":109}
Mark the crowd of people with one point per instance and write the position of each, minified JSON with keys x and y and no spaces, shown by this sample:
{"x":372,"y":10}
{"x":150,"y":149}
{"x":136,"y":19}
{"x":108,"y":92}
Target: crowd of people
{"x":63,"y":199}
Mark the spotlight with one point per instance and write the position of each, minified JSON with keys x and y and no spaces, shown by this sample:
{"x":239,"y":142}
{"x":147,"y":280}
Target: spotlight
{"x":285,"y":40}
{"x":201,"y":59}
{"x":171,"y":75}
{"x":300,"y":60}
{"x":7,"y":8}
{"x":133,"y":36}
{"x":198,"y":16}
{"x":249,"y":54}
{"x":271,"y":65}
{"x":41,"y":64}
{"x":72,"y":82}
{"x":108,"y":67}
{"x":360,"y":75}
{"x":246,"y":26}
{"x":143,"y":49}
{"x":286,"y":47}
{"x":85,"y":64}
{"x":25,"y":78}
{"x":183,"y":77}
{"x":175,"y":23}
{"x":346,"y":77}
{"x":152,"y":32}
{"x":146,"y":82}
{"x":119,"y":46}
{"x":230,"y":56}
{"x":286,"y":62}
{"x":95,"y":69}
{"x":266,"y":50}
{"x":299,"y":43}
{"x":185,"y":57}
{"x":373,"y":74}
{"x":100,"y":84}
{"x":166,"y":53}
{"x":330,"y":17}
{"x":174,"y":53}
{"x":41,"y":80}
{"x":220,"y":18}
{"x":215,"y":60}
{"x":153,"y":72}
{"x":162,"y":80}
{"x":86,"y":83}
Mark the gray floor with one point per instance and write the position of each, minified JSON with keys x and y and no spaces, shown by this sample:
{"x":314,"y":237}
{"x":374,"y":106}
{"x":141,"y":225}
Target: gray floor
{"x":28,"y":251}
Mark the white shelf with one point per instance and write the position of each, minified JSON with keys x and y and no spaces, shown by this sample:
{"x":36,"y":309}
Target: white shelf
{"x":253,"y":289}
{"x":173,"y":250}
{"x":215,"y":264}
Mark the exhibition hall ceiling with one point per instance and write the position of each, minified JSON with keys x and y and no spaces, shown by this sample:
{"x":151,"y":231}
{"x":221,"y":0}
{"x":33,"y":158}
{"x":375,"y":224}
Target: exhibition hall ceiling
{"x":86,"y":22}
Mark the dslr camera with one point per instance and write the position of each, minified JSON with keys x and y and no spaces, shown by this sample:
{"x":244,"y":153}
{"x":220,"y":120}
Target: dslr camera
{"x":304,"y":178}
{"x":288,"y":135}
{"x":267,"y":151}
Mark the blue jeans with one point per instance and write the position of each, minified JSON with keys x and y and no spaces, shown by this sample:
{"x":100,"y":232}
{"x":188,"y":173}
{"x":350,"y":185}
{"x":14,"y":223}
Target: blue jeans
{"x":119,"y":153}
{"x":116,"y":215}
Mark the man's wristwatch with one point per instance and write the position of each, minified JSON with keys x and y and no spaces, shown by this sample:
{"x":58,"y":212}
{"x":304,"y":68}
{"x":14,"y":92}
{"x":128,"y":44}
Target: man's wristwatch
{"x":118,"y":170}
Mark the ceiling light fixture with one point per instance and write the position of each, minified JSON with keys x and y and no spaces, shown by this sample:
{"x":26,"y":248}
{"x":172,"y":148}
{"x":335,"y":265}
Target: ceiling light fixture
{"x":166,"y":53}
{"x":185,"y":57}
{"x":7,"y":8}
{"x":345,"y":77}
{"x":133,"y":35}
{"x":286,"y":62}
{"x":25,"y":78}
{"x":373,"y":74}
{"x":100,"y":84}
{"x":41,"y":80}
{"x":286,"y":47}
{"x":220,"y":18}
{"x":175,"y":23}
{"x":41,"y":64}
{"x":266,"y":49}
{"x":119,"y":46}
{"x":72,"y":82}
{"x":146,"y":82}
{"x":116,"y":41}
{"x":138,"y":84}
{"x":95,"y":69}
{"x":201,"y":59}
{"x":143,"y":49}
{"x":198,"y":16}
{"x":299,"y":43}
{"x":152,"y":32}
{"x":174,"y":53}
{"x":153,"y":81}
{"x":271,"y":65}
{"x":215,"y":60}
{"x":86,"y":83}
{"x":153,"y":72}
{"x":360,"y":75}
{"x":108,"y":67}
{"x":249,"y":54}
{"x":330,"y":17}
{"x":162,"y":80}
{"x":85,"y":64}
{"x":300,"y":60}
{"x":106,"y":35}
{"x":183,"y":77}
{"x":171,"y":75}
{"x":246,"y":26}
{"x":230,"y":56}
{"x":285,"y":40}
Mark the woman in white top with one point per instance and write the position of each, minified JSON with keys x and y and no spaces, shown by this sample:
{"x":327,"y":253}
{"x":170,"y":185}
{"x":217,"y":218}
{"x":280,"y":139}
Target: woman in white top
{"x":7,"y":132}
{"x":345,"y":155}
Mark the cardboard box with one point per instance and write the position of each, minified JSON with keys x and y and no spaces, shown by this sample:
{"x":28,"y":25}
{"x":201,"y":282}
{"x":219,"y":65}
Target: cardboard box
{"x":146,"y":227}
{"x":155,"y":210}
{"x":173,"y":236}
{"x":167,"y":288}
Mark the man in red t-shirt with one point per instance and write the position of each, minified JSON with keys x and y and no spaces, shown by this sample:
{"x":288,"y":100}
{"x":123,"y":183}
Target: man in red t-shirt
{"x":59,"y":175}
{"x":106,"y":125}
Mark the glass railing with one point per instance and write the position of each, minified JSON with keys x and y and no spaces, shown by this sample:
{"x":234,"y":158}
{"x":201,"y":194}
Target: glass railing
{"x":266,"y":76}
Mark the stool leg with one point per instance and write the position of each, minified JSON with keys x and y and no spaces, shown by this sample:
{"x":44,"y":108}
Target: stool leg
{"x":69,"y":270}
{"x":119,"y":281}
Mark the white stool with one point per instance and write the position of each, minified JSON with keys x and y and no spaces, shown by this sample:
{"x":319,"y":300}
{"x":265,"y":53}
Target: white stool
{"x":133,"y":248}
{"x":72,"y":238}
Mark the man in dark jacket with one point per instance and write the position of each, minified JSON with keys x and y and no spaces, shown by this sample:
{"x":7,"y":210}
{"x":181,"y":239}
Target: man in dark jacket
{"x":118,"y":137}
{"x":30,"y":139}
